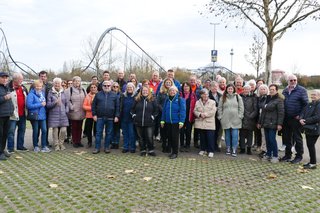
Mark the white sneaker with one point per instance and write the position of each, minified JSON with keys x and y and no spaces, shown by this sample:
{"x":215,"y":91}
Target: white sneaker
{"x":202,"y":153}
{"x":158,"y":138}
{"x":293,"y":149}
{"x":274,"y":160}
{"x":45,"y":149}
{"x":282,"y":148}
{"x":210,"y":154}
{"x":36,"y":149}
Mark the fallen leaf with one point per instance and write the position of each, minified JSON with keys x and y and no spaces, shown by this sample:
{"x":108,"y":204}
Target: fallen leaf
{"x":19,"y":157}
{"x":1,"y":172}
{"x":146,"y":164}
{"x":53,"y":185}
{"x":191,"y":159}
{"x":252,"y":159}
{"x":80,"y":153}
{"x":306,"y":187}
{"x":129,"y":171}
{"x":302,"y":170}
{"x":147,"y":178}
{"x":272,"y":176}
{"x":111,"y":176}
{"x":88,"y":158}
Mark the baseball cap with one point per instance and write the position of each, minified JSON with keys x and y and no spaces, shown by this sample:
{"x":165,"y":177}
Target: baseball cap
{"x":2,"y":74}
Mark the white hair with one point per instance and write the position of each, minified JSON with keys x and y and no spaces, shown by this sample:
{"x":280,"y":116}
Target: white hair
{"x":57,"y":80}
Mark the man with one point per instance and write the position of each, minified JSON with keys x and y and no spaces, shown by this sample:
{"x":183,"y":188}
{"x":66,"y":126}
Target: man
{"x":170,"y":75}
{"x":222,"y":84}
{"x":122,"y":83}
{"x":105,"y":111}
{"x":296,"y":98}
{"x":207,"y":84}
{"x":238,"y":82}
{"x":154,"y":82}
{"x":18,"y":96}
{"x":94,"y":80}
{"x":105,"y":77}
{"x":6,"y":110}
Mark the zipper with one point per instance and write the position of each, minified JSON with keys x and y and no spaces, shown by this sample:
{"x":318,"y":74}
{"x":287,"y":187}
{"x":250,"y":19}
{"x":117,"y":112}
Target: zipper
{"x":170,"y":110}
{"x":143,"y":111}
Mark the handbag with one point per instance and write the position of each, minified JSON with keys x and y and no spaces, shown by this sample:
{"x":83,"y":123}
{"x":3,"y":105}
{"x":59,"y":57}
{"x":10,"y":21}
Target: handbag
{"x":32,"y":116}
{"x":311,"y":129}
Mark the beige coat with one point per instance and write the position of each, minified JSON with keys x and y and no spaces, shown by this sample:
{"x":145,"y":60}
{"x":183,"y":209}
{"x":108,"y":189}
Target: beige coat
{"x":75,"y":103}
{"x":209,"y":110}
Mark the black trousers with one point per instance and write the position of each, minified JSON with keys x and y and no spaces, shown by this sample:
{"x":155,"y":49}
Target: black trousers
{"x":89,"y":126}
{"x":172,"y":131}
{"x":292,"y":136}
{"x":4,"y":129}
{"x":311,"y":142}
{"x":145,"y":134}
{"x":186,"y":131}
{"x":246,"y":137}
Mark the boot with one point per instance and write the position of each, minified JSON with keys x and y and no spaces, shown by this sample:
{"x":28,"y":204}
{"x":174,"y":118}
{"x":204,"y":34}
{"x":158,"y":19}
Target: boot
{"x":242,"y":150}
{"x":249,"y":151}
{"x":89,"y":145}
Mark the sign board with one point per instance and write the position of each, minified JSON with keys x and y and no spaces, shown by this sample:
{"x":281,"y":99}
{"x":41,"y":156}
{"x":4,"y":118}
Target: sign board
{"x":214,"y":55}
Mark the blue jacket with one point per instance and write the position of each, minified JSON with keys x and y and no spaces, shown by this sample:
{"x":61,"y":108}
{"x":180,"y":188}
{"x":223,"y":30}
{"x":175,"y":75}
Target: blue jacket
{"x":126,"y":103}
{"x":174,"y":111}
{"x":106,"y":105}
{"x":34,"y":101}
{"x":176,"y":83}
{"x":295,"y":102}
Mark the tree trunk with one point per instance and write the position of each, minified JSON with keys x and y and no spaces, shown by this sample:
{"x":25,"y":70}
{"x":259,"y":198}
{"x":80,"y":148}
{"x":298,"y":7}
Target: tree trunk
{"x":268,"y":59}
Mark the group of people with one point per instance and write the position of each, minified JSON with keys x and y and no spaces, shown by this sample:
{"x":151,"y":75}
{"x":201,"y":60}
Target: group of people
{"x":247,"y":114}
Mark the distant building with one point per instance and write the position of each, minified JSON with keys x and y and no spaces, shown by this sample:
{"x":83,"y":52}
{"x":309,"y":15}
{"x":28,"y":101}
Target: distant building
{"x":277,"y":75}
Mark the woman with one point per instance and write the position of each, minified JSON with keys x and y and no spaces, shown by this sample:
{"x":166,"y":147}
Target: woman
{"x":311,"y":116}
{"x":172,"y":118}
{"x":249,"y":120}
{"x":144,"y":111}
{"x":271,"y":119}
{"x":161,"y":97}
{"x":215,"y":95}
{"x":90,"y":124}
{"x":116,"y":125}
{"x":205,"y":111}
{"x":127,"y":125}
{"x":230,"y":114}
{"x":58,"y":109}
{"x":36,"y":105}
{"x":263,"y":92}
{"x":185,"y":132}
{"x":75,"y":96}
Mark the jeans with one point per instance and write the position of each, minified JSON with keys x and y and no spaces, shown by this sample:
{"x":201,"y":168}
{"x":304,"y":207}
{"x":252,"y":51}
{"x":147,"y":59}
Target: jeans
{"x":207,"y":140}
{"x":4,"y":127}
{"x":145,"y":134}
{"x":232,"y":134}
{"x":104,"y":123}
{"x":21,"y":123}
{"x":311,"y":142}
{"x":292,"y":136}
{"x":272,"y":146}
{"x":129,"y":135}
{"x":36,"y":127}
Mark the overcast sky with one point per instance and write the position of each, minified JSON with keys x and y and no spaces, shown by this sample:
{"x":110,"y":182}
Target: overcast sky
{"x":44,"y":34}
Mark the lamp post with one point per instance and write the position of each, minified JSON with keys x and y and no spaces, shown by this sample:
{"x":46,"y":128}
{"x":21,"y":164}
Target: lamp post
{"x":231,"y":54}
{"x":214,"y":58}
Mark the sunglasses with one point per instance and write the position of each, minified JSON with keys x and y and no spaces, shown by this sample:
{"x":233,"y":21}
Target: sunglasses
{"x":292,"y":80}
{"x":107,"y":85}
{"x":115,"y":86}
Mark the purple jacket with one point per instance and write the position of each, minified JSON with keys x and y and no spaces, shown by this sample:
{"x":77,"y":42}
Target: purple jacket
{"x":57,"y":113}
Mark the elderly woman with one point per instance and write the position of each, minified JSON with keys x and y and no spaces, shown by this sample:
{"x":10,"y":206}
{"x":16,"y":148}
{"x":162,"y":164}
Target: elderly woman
{"x":271,"y":119}
{"x":144,"y":112}
{"x":58,"y":109}
{"x":161,"y":97}
{"x":215,"y":95}
{"x":249,"y":119}
{"x":172,"y":119}
{"x":75,"y":97}
{"x":36,"y":105}
{"x":311,"y":117}
{"x":205,"y":111}
{"x":230,"y":114}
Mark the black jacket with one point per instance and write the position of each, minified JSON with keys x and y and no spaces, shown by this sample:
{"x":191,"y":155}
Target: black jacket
{"x":144,"y":112}
{"x":250,"y":111}
{"x":6,"y":106}
{"x":311,"y":115}
{"x":272,"y":112}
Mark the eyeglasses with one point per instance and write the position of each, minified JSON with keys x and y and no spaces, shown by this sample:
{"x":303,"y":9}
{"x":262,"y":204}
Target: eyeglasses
{"x":107,"y":85}
{"x":115,"y":86}
{"x":69,"y":83}
{"x":292,"y":80}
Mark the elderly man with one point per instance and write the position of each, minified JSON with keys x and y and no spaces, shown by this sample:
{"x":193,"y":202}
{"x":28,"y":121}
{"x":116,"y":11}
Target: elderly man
{"x":18,"y":96}
{"x":154,"y":82}
{"x":105,"y":111}
{"x":296,"y":98}
{"x":6,"y":110}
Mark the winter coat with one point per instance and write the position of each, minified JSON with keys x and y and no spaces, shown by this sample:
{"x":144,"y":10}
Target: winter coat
{"x":57,"y":114}
{"x":144,"y":112}
{"x":250,"y":111}
{"x":174,"y":111}
{"x":231,"y":112}
{"x":75,"y":103}
{"x":154,"y":87}
{"x":87,"y":104}
{"x":209,"y":110}
{"x":14,"y":98}
{"x":161,"y":98}
{"x":34,"y":100}
{"x":272,"y":113}
{"x":126,"y":103}
{"x":176,"y":83}
{"x":106,"y":104}
{"x":311,"y":115}
{"x":190,"y":104}
{"x":216,"y":99}
{"x":295,"y":102}
{"x":6,"y":106}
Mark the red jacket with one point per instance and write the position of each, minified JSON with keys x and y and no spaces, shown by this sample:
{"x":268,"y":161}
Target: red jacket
{"x":153,"y":87}
{"x":193,"y":100}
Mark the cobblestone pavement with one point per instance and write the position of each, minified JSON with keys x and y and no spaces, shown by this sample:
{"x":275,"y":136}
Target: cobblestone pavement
{"x":75,"y":180}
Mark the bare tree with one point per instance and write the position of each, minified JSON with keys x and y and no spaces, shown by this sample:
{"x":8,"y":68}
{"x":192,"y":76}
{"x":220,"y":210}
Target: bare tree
{"x":256,"y":51}
{"x":272,"y":17}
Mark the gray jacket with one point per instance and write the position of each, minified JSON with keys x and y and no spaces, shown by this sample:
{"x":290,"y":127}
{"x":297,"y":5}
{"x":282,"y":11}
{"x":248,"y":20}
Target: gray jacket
{"x":230,"y":113}
{"x":57,"y":114}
